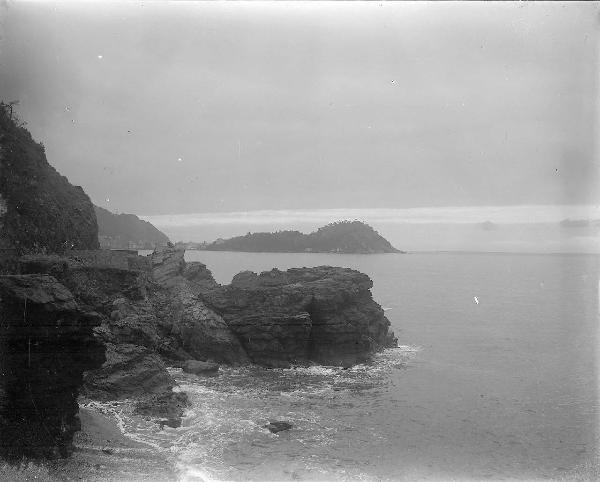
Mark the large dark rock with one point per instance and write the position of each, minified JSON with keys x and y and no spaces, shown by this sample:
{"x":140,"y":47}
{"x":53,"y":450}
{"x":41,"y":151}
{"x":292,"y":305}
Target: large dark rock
{"x":46,"y":344}
{"x":40,"y":211}
{"x":160,"y":311}
{"x":152,"y":315}
{"x":324,"y":315}
{"x":194,"y":330}
{"x":129,"y":371}
{"x":278,"y":426}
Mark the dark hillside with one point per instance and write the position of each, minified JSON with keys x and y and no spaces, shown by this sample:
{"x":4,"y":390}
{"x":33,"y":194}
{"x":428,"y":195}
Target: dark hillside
{"x":40,"y":211}
{"x":123,"y":230}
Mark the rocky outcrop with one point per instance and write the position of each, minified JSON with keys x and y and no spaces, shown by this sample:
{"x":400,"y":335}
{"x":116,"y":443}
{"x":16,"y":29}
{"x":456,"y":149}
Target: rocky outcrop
{"x":194,"y":330}
{"x":46,"y":344}
{"x":40,"y":211}
{"x":166,"y":312}
{"x":168,"y":266}
{"x":152,"y":317}
{"x":129,"y":371}
{"x":324,"y":315}
{"x":130,"y":331}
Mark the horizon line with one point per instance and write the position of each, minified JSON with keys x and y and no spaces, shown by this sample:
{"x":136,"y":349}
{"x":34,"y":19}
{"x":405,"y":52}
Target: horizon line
{"x":499,"y":214}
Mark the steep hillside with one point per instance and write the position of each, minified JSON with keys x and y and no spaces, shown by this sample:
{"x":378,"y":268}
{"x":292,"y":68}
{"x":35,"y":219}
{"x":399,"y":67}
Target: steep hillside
{"x":40,"y":211}
{"x":339,"y":237}
{"x":127,"y":230}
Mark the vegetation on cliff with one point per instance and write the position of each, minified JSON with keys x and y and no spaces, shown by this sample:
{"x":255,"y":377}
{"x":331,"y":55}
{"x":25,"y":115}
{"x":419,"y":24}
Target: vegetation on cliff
{"x":338,"y":237}
{"x":127,"y":231}
{"x":40,"y":211}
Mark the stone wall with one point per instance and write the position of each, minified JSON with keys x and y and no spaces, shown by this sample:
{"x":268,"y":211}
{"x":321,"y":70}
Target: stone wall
{"x":122,"y":259}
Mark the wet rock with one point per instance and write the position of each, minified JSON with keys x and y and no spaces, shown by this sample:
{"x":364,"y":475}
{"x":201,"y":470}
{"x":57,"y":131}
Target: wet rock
{"x":278,"y":426}
{"x":129,"y":371}
{"x":200,"y":368}
{"x":169,"y":406}
{"x":324,"y":314}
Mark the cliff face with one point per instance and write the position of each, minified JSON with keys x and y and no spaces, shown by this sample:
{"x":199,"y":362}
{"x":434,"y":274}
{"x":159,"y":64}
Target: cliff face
{"x":160,"y":311}
{"x":46,"y":344}
{"x":151,"y":317}
{"x":340,"y":237}
{"x":324,"y":315}
{"x":40,"y":211}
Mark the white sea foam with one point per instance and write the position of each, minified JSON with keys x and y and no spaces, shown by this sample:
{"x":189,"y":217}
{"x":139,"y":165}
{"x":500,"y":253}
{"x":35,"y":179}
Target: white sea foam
{"x":227,"y":416}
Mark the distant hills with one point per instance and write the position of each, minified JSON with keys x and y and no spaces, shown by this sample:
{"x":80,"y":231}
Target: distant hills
{"x":579,"y":223}
{"x":40,"y":210}
{"x":122,"y":231}
{"x":338,"y":237}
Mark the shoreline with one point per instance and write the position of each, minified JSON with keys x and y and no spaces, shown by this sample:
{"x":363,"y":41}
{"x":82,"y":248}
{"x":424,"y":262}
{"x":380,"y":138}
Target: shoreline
{"x":104,"y":453}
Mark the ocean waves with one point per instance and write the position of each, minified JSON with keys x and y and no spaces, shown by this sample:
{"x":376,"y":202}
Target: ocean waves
{"x":223,"y":434}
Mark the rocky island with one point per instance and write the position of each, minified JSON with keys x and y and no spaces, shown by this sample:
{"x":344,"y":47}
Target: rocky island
{"x":339,"y":237}
{"x":79,"y":323}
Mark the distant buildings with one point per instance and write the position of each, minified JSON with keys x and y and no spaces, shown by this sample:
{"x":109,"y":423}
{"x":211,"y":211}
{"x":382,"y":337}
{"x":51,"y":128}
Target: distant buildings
{"x":191,"y":245}
{"x":116,"y":242}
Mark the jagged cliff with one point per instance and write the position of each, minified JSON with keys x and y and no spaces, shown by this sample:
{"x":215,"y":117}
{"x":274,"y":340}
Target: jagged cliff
{"x":339,"y":237}
{"x":40,"y":211}
{"x":46,"y":338}
{"x":47,"y":343}
{"x":165,"y":312}
{"x":323,"y":315}
{"x":149,"y":313}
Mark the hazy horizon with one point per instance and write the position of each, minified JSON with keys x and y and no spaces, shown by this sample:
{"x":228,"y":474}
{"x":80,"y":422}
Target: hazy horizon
{"x":166,"y":108}
{"x":292,"y":116}
{"x":533,"y":229}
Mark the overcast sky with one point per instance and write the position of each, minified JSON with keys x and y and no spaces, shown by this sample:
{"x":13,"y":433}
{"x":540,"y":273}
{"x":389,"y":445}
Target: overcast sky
{"x":208,"y":107}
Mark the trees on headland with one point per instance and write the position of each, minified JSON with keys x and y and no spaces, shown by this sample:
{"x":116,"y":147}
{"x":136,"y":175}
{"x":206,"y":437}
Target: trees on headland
{"x":337,"y":237}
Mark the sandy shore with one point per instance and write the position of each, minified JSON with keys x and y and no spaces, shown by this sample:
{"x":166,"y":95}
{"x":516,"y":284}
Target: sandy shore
{"x":103,"y":453}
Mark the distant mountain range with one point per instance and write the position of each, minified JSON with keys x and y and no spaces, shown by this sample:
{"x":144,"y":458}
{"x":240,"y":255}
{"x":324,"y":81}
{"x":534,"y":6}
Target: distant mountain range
{"x":338,"y":237}
{"x":122,"y":231}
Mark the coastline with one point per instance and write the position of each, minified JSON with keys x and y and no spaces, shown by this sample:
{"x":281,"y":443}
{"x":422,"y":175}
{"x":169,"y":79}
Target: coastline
{"x":104,"y":453}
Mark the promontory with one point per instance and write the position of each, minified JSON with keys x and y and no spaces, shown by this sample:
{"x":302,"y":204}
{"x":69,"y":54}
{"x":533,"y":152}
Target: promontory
{"x":339,"y":237}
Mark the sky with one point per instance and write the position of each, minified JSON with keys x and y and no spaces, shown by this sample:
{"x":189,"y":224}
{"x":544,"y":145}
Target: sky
{"x":159,"y":108}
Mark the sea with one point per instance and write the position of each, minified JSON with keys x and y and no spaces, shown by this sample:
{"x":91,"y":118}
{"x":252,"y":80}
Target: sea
{"x":495,"y":378}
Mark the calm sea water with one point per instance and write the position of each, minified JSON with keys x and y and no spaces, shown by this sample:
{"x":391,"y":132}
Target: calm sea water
{"x":496,"y":378}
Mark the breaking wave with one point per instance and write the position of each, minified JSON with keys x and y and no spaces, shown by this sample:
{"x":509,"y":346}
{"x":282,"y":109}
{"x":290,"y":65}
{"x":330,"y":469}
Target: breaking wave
{"x":223,"y":434}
